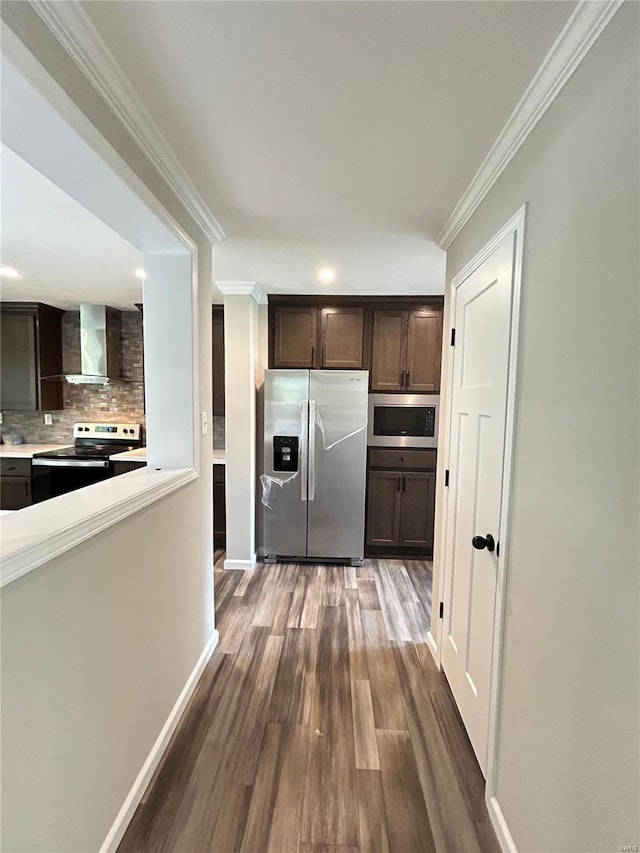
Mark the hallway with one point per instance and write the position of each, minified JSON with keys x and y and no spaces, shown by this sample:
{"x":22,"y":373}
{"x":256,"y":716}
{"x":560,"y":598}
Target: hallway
{"x":320,"y":724}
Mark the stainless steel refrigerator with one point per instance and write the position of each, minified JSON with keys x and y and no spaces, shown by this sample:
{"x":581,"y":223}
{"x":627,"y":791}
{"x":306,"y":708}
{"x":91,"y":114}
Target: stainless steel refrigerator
{"x":312,"y":488}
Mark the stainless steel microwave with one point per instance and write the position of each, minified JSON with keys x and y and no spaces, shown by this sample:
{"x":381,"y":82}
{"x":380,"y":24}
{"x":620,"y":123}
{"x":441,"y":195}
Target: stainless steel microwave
{"x":403,"y":420}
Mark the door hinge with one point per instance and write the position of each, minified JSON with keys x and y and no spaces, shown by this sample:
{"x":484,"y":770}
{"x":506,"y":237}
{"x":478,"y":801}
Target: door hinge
{"x":446,"y":477}
{"x":441,"y":609}
{"x":453,"y":337}
{"x":498,"y":550}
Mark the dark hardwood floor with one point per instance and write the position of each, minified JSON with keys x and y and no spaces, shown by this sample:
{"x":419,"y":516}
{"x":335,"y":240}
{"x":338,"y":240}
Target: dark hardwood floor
{"x":320,"y":725}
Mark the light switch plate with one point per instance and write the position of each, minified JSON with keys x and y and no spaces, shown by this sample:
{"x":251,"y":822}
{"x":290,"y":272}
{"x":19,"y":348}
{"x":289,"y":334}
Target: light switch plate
{"x":204,"y":422}
{"x":48,"y":419}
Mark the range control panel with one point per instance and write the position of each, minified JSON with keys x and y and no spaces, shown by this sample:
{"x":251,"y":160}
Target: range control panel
{"x":285,"y":452}
{"x":131,"y":432}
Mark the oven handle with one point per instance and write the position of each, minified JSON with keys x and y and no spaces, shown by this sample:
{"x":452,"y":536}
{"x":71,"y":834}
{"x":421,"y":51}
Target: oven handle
{"x":71,"y":463}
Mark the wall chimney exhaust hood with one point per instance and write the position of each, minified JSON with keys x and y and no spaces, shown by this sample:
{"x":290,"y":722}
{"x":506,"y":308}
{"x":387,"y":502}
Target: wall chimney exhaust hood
{"x":100,"y":346}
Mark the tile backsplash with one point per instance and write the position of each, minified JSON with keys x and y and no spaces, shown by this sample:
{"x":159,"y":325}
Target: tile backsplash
{"x":218,"y":432}
{"x":120,"y":401}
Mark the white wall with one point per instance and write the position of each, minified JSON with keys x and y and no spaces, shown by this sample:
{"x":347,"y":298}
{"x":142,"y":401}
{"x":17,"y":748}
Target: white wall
{"x":241,"y":344}
{"x":568,"y":760}
{"x":98,"y":643}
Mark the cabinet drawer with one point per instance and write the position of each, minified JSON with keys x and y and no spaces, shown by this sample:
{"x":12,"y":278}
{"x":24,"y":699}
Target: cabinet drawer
{"x":15,"y":467}
{"x":401,"y":460}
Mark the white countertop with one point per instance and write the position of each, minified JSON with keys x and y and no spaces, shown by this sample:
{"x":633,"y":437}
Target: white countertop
{"x":27,"y":451}
{"x":140,"y":455}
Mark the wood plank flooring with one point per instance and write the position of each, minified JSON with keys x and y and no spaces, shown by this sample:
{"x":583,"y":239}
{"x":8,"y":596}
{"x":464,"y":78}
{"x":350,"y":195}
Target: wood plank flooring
{"x":320,"y":725}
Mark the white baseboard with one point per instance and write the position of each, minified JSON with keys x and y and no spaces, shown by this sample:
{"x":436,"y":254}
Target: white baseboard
{"x":119,"y":827}
{"x":505,"y":840}
{"x":433,"y":648}
{"x":240,"y":565}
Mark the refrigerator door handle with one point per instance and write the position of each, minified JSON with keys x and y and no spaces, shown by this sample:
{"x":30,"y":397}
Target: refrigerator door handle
{"x":303,"y":451}
{"x":312,"y":450}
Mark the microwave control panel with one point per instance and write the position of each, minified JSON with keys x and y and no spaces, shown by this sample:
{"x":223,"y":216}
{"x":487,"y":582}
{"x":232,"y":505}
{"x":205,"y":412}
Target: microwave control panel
{"x":429,"y":420}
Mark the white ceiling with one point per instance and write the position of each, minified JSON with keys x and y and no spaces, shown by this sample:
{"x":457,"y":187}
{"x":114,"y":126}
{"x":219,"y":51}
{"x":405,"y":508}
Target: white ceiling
{"x":330,"y":132}
{"x":66,"y":255}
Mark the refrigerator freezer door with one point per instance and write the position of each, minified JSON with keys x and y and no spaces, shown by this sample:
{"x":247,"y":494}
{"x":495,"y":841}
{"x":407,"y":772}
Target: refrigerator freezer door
{"x":282,"y":494}
{"x":337,"y":468}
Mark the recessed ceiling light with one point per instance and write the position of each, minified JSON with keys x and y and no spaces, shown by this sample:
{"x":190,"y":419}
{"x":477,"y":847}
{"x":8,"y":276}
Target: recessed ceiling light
{"x":140,"y":273}
{"x":10,"y":272}
{"x":326,"y":275}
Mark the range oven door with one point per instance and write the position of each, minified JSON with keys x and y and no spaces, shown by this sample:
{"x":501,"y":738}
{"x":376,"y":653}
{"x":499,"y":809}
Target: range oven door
{"x":67,"y":475}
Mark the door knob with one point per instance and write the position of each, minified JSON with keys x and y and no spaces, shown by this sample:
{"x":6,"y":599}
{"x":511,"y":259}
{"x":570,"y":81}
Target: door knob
{"x":480,"y":542}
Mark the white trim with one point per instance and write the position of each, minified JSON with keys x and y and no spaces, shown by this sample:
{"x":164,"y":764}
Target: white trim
{"x":240,"y":565}
{"x":567,"y":52}
{"x":242,"y":288}
{"x":518,"y":225}
{"x":22,"y":554}
{"x":120,"y":824}
{"x":432,"y":644}
{"x":515,"y":225}
{"x":76,"y":32}
{"x":505,"y":839}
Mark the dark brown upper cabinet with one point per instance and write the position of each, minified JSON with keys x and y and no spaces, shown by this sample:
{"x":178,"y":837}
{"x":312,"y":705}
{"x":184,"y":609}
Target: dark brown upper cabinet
{"x":31,"y":355}
{"x":294,"y":336}
{"x":342,"y":338}
{"x":406,"y":350}
{"x":424,"y":348}
{"x":217,"y":340}
{"x":388,"y":364}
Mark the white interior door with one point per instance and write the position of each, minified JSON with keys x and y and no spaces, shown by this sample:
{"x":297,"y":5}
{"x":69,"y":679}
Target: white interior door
{"x":482,"y":320}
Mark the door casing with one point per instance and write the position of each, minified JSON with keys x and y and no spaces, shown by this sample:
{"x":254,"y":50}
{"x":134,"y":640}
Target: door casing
{"x":515,"y":225}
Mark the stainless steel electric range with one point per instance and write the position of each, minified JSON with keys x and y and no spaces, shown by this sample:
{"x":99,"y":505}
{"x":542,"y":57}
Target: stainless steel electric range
{"x":87,"y":461}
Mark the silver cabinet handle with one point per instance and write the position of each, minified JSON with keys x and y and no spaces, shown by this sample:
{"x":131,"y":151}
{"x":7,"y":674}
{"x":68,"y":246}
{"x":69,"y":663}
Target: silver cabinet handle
{"x":312,"y":450}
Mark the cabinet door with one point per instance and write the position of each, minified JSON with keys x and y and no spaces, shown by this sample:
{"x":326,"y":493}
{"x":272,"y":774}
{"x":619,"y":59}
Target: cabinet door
{"x":388,"y":364}
{"x":342,"y":333}
{"x":295,"y":337}
{"x":417,"y":512}
{"x":383,"y":508}
{"x":217,"y":335}
{"x":424,"y":347}
{"x":18,"y":360}
{"x":49,"y":348}
{"x":15,"y":492}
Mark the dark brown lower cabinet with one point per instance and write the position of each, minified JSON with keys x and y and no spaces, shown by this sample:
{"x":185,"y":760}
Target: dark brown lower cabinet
{"x":19,"y":487}
{"x":401,"y":503}
{"x":219,"y":507}
{"x":383,"y":513}
{"x":418,"y":505}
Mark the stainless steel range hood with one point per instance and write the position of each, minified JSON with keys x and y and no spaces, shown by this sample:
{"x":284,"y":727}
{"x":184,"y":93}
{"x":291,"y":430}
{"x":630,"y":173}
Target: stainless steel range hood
{"x":100,"y":346}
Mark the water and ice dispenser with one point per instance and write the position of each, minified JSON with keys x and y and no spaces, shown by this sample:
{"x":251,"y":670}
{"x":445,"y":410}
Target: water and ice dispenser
{"x":285,"y":453}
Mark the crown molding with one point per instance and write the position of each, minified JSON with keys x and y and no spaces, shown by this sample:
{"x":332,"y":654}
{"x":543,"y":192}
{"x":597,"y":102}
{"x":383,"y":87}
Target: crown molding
{"x":242,"y":288}
{"x":76,"y":32}
{"x":576,"y":38}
